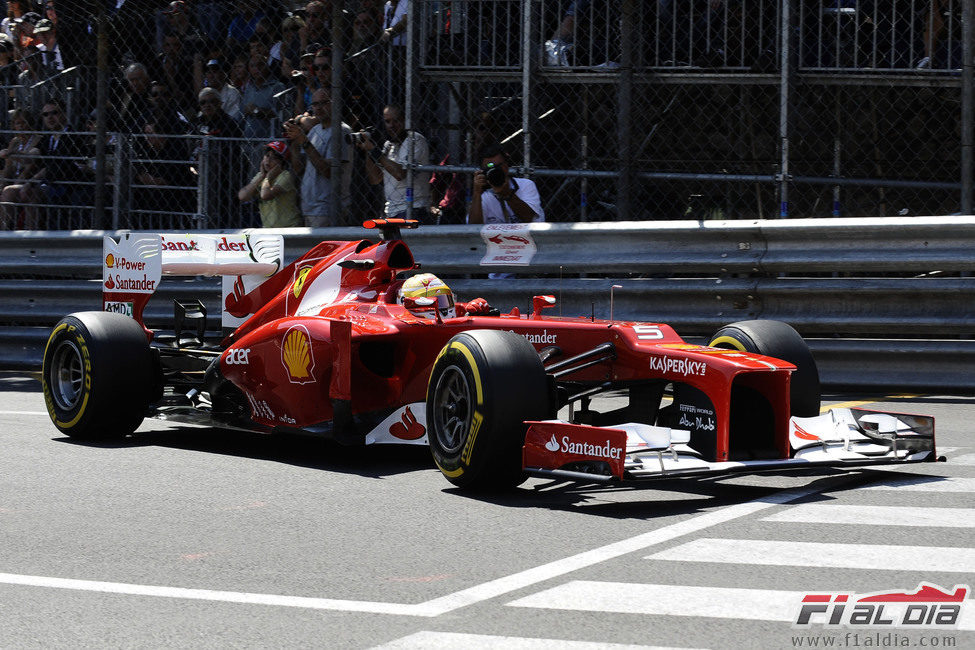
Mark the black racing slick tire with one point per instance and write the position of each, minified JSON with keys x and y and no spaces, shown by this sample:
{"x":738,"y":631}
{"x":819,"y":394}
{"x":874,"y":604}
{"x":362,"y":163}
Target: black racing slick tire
{"x":97,"y":375}
{"x":483,"y":386}
{"x":777,"y":339}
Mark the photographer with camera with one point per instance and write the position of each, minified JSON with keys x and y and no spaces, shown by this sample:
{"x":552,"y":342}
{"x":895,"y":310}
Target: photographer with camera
{"x":500,"y":198}
{"x":387,"y":165}
{"x":315,"y":167}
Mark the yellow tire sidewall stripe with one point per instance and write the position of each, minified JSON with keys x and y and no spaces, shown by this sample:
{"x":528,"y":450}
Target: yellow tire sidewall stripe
{"x":733,"y":342}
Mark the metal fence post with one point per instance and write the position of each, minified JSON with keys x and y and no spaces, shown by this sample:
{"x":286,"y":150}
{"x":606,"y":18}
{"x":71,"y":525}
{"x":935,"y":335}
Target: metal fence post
{"x":120,"y":180}
{"x":203,"y":198}
{"x":624,"y":98}
{"x":101,"y":120}
{"x":528,"y":63}
{"x":338,"y":105}
{"x":788,"y":61}
{"x":967,"y":104}
{"x":411,"y":54}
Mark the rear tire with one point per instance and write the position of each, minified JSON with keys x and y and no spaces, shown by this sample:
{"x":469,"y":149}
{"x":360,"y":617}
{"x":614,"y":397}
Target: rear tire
{"x":97,"y":375}
{"x":777,"y":339}
{"x":483,"y":386}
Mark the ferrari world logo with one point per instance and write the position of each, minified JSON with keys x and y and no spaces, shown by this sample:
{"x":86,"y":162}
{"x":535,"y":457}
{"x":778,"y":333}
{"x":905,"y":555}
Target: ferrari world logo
{"x":297,"y":356}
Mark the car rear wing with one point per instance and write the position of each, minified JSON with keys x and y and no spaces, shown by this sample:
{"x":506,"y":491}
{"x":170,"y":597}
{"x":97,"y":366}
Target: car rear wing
{"x":133,"y":266}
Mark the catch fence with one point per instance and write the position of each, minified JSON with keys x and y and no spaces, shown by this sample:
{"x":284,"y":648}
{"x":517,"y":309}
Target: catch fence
{"x":618,"y":109}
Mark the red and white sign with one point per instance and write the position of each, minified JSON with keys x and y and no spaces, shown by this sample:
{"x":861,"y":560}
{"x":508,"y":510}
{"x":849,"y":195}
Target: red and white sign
{"x":552,"y":445}
{"x":508,"y":244}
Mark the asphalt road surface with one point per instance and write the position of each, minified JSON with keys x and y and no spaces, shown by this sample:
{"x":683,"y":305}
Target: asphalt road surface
{"x":187,"y":537}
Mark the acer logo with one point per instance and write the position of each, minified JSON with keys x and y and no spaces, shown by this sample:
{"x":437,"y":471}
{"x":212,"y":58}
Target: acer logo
{"x":237,"y":356}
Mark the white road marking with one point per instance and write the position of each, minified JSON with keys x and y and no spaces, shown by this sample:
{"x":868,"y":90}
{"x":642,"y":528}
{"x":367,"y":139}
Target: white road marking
{"x":667,"y":600}
{"x":23,"y":413}
{"x":964,"y":459}
{"x":820,"y":555}
{"x":926,"y":484}
{"x":561,"y":567}
{"x":678,"y":600}
{"x":815,"y":513}
{"x":208,"y":594}
{"x":436,"y":640}
{"x":459,"y":599}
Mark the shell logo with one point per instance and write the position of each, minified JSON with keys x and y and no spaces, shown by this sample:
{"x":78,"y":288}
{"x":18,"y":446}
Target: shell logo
{"x":297,"y":355}
{"x":110,"y":261}
{"x":300,"y":281}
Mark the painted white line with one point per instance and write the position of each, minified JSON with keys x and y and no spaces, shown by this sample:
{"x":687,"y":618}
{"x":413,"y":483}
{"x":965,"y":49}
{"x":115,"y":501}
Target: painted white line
{"x":459,"y":599}
{"x":207,"y":594}
{"x":964,"y":459}
{"x":815,"y":513}
{"x":561,"y":567}
{"x":668,"y":600}
{"x":23,"y":413}
{"x":437,"y":640}
{"x":676,"y":600}
{"x":820,"y":555}
{"x":926,"y":484}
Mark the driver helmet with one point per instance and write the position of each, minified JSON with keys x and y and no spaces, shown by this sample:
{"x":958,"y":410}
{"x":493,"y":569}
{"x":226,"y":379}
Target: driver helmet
{"x":427,"y":285}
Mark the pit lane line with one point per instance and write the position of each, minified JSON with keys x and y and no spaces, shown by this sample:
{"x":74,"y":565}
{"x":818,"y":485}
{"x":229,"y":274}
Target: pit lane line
{"x":459,"y":599}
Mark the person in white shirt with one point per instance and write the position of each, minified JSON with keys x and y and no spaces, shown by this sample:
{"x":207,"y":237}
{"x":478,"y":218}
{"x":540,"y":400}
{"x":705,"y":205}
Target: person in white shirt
{"x":388,"y":165}
{"x":216,"y":77}
{"x":315,"y":168}
{"x":499,"y":197}
{"x":48,"y":45}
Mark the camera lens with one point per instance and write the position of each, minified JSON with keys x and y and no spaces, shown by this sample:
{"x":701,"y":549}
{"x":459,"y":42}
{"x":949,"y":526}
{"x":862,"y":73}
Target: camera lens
{"x":495,"y":175}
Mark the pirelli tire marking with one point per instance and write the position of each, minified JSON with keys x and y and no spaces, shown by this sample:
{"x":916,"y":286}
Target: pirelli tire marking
{"x":82,"y":348}
{"x":454,"y":352}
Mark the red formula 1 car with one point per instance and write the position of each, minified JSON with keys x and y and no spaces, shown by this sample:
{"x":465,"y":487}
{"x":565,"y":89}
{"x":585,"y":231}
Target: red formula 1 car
{"x":331,"y":345}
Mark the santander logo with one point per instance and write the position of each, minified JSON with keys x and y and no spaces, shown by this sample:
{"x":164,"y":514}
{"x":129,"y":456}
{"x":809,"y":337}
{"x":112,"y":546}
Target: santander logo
{"x":583,"y":448}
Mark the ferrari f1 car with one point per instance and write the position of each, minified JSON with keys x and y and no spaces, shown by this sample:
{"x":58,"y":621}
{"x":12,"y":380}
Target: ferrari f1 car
{"x":330,"y":345}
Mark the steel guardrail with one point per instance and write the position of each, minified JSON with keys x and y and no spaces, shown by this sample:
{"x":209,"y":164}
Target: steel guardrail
{"x":850,"y":286}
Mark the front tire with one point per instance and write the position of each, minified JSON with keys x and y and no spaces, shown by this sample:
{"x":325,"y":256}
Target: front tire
{"x":97,"y":375}
{"x":779,"y":340}
{"x":483,"y":386}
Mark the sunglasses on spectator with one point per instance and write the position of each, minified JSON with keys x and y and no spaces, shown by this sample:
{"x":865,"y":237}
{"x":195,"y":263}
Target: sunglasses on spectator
{"x":314,"y":14}
{"x":209,"y":102}
{"x":50,"y":113}
{"x":160,"y":93}
{"x":316,"y":68}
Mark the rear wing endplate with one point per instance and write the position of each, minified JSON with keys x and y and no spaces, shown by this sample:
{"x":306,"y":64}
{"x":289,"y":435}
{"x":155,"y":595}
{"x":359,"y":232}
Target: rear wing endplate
{"x":133,"y":266}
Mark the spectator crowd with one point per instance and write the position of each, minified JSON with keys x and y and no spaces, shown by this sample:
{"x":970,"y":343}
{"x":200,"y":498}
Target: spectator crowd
{"x":224,"y":105}
{"x":200,"y":92}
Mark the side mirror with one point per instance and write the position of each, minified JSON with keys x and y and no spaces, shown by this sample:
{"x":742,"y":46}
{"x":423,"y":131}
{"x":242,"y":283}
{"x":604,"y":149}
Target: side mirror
{"x":539,"y":303}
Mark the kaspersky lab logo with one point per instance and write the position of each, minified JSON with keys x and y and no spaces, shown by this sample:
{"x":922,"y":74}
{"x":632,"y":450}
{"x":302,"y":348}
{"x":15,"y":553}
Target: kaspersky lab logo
{"x":928,"y":606}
